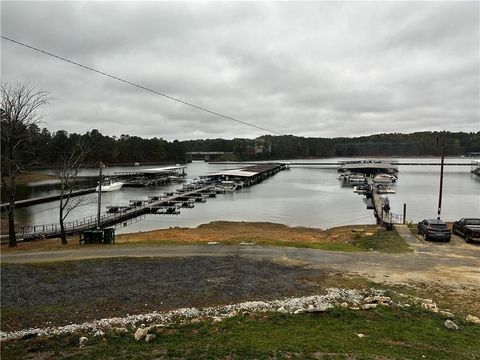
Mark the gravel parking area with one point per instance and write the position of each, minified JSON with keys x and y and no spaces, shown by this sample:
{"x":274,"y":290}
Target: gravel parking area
{"x":76,"y":291}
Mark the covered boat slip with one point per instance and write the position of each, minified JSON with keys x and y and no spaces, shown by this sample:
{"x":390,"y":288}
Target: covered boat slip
{"x":153,"y":176}
{"x":368,"y":167}
{"x":249,"y":175}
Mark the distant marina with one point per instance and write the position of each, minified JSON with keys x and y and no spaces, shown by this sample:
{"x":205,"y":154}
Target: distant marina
{"x":308,"y":195}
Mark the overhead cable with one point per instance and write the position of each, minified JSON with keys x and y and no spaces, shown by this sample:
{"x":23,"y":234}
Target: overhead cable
{"x":138,"y":86}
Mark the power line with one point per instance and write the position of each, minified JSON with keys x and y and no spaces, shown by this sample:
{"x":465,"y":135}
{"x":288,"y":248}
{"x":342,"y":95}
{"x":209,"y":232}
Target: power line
{"x":138,"y":86}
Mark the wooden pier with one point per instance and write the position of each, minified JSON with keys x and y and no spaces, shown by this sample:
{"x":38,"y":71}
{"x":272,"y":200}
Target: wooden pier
{"x":382,"y":213}
{"x":168,"y":203}
{"x":135,"y":209}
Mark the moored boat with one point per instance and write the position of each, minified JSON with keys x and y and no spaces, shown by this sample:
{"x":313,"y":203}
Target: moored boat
{"x":109,"y":185}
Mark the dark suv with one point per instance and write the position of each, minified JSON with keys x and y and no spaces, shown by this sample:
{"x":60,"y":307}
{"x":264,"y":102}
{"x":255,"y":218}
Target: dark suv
{"x":434,"y":229}
{"x":469,"y":228}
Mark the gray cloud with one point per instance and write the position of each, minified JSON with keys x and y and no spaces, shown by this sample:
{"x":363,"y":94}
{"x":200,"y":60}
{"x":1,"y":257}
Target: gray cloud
{"x":303,"y":68}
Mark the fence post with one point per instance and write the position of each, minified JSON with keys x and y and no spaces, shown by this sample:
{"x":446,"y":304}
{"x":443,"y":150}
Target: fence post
{"x":404,"y":213}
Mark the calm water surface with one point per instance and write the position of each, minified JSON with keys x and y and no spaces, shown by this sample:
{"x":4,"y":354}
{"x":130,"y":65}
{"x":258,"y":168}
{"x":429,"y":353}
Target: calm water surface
{"x":302,"y":196}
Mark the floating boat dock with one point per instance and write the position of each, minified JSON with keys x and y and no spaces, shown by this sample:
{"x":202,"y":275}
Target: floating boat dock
{"x":166,"y":204}
{"x":149,"y":177}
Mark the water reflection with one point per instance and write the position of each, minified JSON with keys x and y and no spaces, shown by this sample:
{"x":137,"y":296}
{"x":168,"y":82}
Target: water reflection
{"x":302,"y":196}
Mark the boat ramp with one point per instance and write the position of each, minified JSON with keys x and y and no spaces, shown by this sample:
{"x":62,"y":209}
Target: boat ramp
{"x":169,"y":203}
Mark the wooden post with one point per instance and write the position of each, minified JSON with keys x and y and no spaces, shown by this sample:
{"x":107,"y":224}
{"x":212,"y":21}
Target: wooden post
{"x":404,"y":214}
{"x":99,"y":202}
{"x":381,"y":215}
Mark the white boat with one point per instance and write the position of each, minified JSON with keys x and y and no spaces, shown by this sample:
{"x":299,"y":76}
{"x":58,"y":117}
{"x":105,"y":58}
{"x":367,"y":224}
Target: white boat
{"x":384,"y":179}
{"x":381,"y":189}
{"x":109,"y":185}
{"x":362,"y":189}
{"x":356,"y":179}
{"x":229,"y":185}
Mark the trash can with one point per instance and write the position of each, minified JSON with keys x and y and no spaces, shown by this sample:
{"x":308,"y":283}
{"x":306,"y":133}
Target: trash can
{"x":109,"y":235}
{"x":92,"y":237}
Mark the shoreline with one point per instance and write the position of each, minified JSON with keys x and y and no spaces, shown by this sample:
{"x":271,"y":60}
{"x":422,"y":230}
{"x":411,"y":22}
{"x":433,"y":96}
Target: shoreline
{"x":341,"y":238}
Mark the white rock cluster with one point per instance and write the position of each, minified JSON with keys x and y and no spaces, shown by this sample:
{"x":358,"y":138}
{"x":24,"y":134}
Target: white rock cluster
{"x":345,"y":298}
{"x":312,"y":303}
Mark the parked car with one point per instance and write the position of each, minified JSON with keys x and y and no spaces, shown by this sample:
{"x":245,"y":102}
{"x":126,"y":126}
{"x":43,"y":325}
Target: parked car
{"x":469,"y":228}
{"x":434,"y":229}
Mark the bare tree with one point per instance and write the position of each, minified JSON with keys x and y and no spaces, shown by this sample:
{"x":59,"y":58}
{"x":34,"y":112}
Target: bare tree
{"x":18,"y":115}
{"x":67,"y":172}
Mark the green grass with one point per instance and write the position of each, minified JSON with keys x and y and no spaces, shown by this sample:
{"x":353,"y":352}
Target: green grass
{"x":383,"y":241}
{"x":390,"y":333}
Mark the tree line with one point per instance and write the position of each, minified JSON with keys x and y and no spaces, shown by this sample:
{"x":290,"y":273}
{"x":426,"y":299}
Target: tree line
{"x":269,"y":147}
{"x":45,"y":146}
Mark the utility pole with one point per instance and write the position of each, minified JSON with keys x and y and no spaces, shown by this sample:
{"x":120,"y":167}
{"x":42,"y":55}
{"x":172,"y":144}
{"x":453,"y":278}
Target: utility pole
{"x":441,"y":180}
{"x":99,"y":202}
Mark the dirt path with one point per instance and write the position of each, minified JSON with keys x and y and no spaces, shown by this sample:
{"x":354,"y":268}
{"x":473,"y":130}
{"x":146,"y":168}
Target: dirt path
{"x":448,"y":263}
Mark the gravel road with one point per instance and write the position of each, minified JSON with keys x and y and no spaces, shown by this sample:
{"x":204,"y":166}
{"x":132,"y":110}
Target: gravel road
{"x":77,"y":291}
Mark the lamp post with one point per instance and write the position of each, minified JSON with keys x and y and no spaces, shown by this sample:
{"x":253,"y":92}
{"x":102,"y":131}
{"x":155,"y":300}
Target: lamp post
{"x":441,"y":181}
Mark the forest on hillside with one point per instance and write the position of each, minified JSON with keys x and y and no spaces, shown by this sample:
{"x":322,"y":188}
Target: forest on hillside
{"x":45,"y":148}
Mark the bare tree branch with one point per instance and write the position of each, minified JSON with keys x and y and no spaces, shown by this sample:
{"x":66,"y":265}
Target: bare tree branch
{"x":67,"y":172}
{"x":19,"y":106}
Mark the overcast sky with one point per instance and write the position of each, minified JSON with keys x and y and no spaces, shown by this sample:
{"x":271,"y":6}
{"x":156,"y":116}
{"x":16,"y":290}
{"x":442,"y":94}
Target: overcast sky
{"x":321,"y":69}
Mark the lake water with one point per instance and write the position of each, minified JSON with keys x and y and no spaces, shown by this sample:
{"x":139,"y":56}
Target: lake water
{"x":302,"y":196}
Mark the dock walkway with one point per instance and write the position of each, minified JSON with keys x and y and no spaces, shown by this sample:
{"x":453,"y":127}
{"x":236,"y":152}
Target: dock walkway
{"x":106,"y":219}
{"x":384,"y":218}
{"x":158,"y":204}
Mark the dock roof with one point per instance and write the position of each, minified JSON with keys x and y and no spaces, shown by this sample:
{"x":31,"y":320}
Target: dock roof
{"x":162,"y":169}
{"x":369,"y":167}
{"x":248,"y":171}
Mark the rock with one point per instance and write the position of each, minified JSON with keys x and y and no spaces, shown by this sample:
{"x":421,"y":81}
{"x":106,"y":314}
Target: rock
{"x":232,"y":313}
{"x":321,"y":308}
{"x":99,"y":333}
{"x":121,"y":330}
{"x":140,"y":333}
{"x":142,"y":326}
{"x":217,"y":319}
{"x":449,"y":324}
{"x":354,"y":308}
{"x":83,"y":341}
{"x":150,"y":338}
{"x":360,"y":335}
{"x":369,"y":306}
{"x":431,"y":306}
{"x":195,"y":321}
{"x":344,"y":305}
{"x":377,"y":299}
{"x":473,"y":319}
{"x":282,"y":310}
{"x":299,"y":311}
{"x":382,"y":299}
{"x":447,"y":314}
